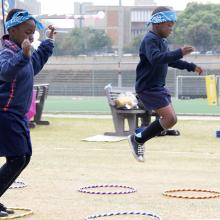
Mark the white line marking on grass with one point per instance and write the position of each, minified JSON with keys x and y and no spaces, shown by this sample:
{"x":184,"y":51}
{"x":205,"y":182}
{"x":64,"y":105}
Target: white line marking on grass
{"x":104,"y":116}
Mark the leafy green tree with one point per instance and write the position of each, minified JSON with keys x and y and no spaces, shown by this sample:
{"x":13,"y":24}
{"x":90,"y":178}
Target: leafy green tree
{"x":83,"y":41}
{"x":198,"y":25}
{"x":200,"y":36}
{"x":134,"y":45}
{"x":98,"y":41}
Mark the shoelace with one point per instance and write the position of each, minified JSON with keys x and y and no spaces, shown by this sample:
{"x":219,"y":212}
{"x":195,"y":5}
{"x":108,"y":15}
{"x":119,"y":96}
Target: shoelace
{"x":140,"y":150}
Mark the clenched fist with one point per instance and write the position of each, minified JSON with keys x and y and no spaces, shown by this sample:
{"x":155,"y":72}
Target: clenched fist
{"x":199,"y":70}
{"x":26,"y":47}
{"x":51,"y":32}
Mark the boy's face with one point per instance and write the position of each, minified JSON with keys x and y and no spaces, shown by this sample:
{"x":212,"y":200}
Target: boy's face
{"x":164,"y":29}
{"x":23,"y":31}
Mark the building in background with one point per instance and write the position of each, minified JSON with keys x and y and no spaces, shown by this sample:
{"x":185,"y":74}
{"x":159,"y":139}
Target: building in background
{"x":120,"y":23}
{"x":144,"y":3}
{"x":128,"y":21}
{"x":81,"y":9}
{"x":33,"y":6}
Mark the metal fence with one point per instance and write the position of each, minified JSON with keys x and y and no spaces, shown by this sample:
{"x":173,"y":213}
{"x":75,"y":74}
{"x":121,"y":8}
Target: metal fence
{"x":188,"y":87}
{"x":89,"y":79}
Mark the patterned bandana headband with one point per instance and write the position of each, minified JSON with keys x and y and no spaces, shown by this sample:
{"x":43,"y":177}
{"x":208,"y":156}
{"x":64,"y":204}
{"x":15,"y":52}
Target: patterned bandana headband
{"x":20,"y":17}
{"x":165,"y":16}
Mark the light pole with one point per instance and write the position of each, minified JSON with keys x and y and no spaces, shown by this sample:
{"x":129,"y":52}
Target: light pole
{"x":120,"y":40}
{"x":80,"y":12}
{"x":120,"y":29}
{"x":3,"y":16}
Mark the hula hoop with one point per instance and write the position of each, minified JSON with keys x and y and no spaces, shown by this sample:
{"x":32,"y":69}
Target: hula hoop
{"x":148,"y":214}
{"x":84,"y":189}
{"x":13,"y":216}
{"x":169,"y":193}
{"x":17,"y":184}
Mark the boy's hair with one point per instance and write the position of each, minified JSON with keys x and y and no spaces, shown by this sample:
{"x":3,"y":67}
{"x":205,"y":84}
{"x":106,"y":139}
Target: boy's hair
{"x":160,"y":9}
{"x":12,"y":12}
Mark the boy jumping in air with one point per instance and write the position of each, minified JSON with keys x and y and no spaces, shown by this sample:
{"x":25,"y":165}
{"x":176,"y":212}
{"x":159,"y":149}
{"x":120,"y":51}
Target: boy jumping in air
{"x":151,"y":72}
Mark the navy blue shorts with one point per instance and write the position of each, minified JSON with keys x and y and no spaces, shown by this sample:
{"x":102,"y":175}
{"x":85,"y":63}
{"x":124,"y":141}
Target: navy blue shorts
{"x":14,"y":135}
{"x":155,"y":99}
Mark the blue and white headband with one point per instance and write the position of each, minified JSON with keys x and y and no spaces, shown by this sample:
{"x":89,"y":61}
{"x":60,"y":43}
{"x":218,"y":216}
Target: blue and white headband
{"x":20,"y":17}
{"x":164,"y":16}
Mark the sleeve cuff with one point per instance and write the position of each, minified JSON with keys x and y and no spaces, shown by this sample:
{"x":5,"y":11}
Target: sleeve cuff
{"x":178,"y":53}
{"x":51,"y":40}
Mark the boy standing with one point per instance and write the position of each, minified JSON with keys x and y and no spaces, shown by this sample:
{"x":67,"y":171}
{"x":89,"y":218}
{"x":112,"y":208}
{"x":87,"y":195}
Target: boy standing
{"x":18,"y":66}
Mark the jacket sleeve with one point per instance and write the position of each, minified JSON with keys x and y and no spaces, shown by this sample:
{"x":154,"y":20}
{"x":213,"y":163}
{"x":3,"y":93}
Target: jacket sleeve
{"x":183,"y":65}
{"x":41,"y":55}
{"x":155,"y":56}
{"x":11,"y":63}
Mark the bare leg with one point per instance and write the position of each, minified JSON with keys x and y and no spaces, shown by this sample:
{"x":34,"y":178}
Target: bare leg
{"x":167,"y":120}
{"x":167,"y":116}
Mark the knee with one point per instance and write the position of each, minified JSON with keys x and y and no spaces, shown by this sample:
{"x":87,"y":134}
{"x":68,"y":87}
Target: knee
{"x":171,"y":121}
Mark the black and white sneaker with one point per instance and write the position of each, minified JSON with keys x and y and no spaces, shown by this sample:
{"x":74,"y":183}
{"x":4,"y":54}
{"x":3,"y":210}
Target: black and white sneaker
{"x":3,"y":214}
{"x":137,"y":148}
{"x":6,"y":210}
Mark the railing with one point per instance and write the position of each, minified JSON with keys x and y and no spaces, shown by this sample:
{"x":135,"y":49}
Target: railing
{"x":89,"y":78}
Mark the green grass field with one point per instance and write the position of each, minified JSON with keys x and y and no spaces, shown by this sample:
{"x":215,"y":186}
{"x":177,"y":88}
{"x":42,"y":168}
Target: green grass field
{"x":99,"y":105}
{"x":62,"y":163}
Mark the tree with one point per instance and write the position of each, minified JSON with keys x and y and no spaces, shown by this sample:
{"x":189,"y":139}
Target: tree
{"x":198,"y":25}
{"x":83,"y":41}
{"x":134,"y":45}
{"x":200,"y":36}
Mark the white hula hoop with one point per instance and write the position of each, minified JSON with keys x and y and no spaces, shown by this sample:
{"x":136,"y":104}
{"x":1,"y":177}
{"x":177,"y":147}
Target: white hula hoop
{"x":17,"y":184}
{"x":147,"y":214}
{"x":87,"y":189}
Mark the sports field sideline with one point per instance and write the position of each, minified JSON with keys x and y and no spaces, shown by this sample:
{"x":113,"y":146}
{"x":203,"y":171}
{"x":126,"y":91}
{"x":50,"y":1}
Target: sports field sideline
{"x":99,"y":105}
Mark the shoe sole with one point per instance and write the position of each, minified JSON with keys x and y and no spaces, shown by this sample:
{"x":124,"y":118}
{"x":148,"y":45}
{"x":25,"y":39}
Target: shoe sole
{"x":133,"y":151}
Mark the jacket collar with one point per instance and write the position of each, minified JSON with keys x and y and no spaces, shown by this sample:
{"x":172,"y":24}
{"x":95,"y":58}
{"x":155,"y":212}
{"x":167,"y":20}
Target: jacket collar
{"x":6,"y":43}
